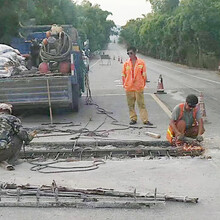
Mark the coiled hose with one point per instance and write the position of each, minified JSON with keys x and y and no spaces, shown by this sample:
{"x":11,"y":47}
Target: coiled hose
{"x":63,"y":50}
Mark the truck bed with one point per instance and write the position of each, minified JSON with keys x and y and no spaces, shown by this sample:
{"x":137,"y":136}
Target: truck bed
{"x":30,"y":91}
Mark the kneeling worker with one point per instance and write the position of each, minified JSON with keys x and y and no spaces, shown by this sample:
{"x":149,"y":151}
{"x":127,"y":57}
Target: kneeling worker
{"x":12,"y":136}
{"x":186,"y":121}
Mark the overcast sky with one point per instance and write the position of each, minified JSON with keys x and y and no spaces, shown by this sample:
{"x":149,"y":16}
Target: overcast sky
{"x":123,"y":10}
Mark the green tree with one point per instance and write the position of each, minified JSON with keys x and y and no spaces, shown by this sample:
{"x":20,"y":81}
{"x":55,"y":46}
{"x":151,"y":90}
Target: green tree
{"x":94,"y":25}
{"x":8,"y":20}
{"x":130,"y":32}
{"x":163,"y":5}
{"x":90,"y":21}
{"x":185,"y":31}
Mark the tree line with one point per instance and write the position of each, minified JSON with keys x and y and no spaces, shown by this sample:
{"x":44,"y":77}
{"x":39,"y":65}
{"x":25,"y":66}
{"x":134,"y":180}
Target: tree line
{"x":90,"y":20}
{"x":182,"y":31}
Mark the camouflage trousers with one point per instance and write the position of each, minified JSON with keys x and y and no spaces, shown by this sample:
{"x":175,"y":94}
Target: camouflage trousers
{"x":11,"y":152}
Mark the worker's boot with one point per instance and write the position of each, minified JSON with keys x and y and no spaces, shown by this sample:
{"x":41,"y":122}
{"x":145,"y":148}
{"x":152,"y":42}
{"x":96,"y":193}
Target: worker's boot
{"x":132,"y":122}
{"x":6,"y":165}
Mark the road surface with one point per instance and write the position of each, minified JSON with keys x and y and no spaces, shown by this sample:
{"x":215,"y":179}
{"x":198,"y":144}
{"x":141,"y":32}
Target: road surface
{"x":185,"y":176}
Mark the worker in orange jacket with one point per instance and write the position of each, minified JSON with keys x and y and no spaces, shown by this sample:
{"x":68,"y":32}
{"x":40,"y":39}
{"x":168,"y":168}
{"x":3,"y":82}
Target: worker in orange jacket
{"x":186,"y":121}
{"x":134,"y":78}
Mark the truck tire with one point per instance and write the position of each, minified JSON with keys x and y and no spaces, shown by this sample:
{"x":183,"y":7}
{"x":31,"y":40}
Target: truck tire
{"x":75,"y":98}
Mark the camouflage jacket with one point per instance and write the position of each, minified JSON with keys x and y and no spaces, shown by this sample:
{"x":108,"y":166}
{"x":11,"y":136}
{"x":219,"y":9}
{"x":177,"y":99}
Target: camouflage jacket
{"x":10,"y":126}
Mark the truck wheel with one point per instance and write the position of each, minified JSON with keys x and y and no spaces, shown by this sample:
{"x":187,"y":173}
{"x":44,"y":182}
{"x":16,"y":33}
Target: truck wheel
{"x":75,"y":99}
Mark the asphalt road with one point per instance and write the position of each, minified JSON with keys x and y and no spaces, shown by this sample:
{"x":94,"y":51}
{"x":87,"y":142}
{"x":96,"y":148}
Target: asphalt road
{"x":178,"y":81}
{"x":178,"y":176}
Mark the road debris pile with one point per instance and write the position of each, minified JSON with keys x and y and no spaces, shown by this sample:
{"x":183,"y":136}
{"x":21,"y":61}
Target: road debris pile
{"x":12,"y":195}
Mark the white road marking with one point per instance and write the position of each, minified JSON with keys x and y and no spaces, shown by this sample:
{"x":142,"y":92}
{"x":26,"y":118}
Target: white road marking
{"x":118,"y":81}
{"x":197,"y":77}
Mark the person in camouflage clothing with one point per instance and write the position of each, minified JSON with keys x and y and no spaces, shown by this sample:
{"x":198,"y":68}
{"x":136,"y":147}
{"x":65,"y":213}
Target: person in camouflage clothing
{"x":12,"y":136}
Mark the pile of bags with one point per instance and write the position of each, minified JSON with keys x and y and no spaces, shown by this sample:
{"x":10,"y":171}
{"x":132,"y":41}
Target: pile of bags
{"x":11,"y":61}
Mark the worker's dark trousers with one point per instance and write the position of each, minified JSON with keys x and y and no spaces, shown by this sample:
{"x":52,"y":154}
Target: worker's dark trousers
{"x":11,"y":154}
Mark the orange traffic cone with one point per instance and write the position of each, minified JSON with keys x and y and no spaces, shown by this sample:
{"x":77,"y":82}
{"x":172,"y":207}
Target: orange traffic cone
{"x":121,"y":60}
{"x":160,"y":87}
{"x":202,"y":106}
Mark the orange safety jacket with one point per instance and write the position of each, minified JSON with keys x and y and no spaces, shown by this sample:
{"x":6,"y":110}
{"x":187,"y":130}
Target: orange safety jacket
{"x":170,"y":133}
{"x":134,"y":80}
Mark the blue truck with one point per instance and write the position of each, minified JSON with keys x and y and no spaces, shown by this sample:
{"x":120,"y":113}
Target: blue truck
{"x":32,"y":89}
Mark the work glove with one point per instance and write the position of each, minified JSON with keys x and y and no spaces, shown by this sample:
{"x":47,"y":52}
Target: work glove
{"x":199,"y":138}
{"x":32,"y":135}
{"x":180,"y":137}
{"x":29,"y":137}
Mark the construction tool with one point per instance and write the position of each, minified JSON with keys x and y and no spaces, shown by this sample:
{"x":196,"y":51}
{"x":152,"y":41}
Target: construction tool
{"x":49,"y":102}
{"x":151,"y":134}
{"x":188,"y":144}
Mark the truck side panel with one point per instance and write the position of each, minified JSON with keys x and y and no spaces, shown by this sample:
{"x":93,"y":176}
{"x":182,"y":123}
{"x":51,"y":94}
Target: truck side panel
{"x":29,"y":91}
